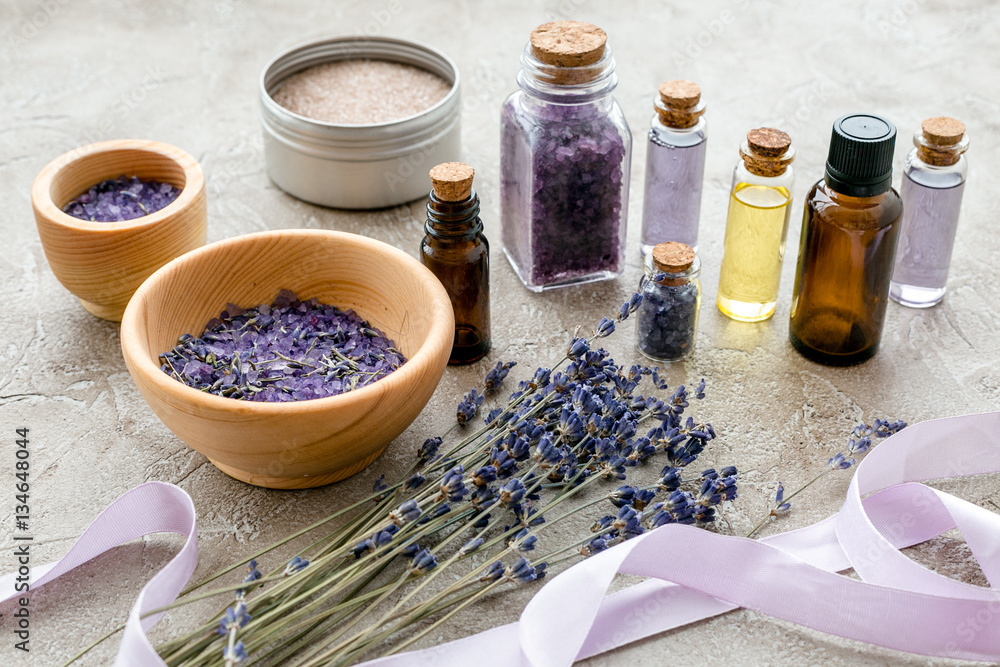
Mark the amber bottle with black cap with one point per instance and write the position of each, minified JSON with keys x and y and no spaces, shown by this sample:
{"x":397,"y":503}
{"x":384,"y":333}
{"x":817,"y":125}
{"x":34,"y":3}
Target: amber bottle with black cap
{"x":457,"y":252}
{"x":848,"y":246}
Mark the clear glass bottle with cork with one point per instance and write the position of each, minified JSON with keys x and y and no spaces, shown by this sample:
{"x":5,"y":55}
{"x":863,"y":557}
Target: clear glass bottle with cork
{"x":757,"y":225}
{"x":675,"y":166}
{"x":667,"y":319}
{"x":848,"y":244}
{"x":457,"y":252}
{"x":933,"y":185}
{"x":565,"y":152}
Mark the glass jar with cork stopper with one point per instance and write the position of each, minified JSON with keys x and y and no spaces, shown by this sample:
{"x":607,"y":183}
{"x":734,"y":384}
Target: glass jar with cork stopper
{"x":933,"y":185}
{"x":457,"y":252}
{"x":667,"y":319}
{"x":565,"y":152}
{"x":756,"y":227}
{"x":675,"y":166}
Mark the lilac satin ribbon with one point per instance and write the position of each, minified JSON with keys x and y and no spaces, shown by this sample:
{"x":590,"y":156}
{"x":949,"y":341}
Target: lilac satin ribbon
{"x":694,"y":574}
{"x":153,"y":507}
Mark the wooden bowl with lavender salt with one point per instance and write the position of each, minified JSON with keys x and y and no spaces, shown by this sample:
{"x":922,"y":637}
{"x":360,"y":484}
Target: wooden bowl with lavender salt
{"x":100,"y":258}
{"x":291,"y":358}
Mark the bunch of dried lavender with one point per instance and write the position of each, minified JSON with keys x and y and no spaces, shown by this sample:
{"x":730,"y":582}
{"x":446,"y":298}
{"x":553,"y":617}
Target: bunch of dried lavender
{"x":475,"y":509}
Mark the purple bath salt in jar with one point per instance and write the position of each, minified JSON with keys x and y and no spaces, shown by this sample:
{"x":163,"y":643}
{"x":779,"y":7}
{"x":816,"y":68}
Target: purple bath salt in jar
{"x":933,"y":184}
{"x":675,"y":166}
{"x":565,"y":152}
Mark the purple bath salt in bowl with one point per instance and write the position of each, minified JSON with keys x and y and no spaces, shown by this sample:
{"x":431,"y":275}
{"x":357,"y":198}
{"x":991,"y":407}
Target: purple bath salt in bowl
{"x":122,"y":198}
{"x":290,"y":350}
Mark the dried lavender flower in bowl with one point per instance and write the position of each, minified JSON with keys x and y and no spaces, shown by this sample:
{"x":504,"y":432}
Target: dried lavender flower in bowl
{"x":300,"y":443}
{"x":290,"y":350}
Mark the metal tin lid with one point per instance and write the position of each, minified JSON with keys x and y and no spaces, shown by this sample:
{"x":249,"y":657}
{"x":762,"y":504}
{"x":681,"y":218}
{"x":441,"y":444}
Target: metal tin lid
{"x":358,"y":166}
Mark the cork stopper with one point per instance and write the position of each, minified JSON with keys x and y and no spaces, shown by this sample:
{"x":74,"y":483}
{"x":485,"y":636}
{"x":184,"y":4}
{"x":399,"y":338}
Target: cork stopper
{"x":768,"y":142}
{"x":452,"y":181}
{"x":568,"y":43}
{"x":941,"y":141}
{"x":680,"y":94}
{"x":672,"y":257}
{"x":943,"y":131}
{"x":767,"y":151}
{"x":679,"y":104}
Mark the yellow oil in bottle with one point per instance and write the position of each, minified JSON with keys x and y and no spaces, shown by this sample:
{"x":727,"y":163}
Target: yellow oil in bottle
{"x":753,"y":251}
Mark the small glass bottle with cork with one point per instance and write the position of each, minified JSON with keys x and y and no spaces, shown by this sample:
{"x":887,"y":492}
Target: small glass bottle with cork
{"x":933,"y":185}
{"x":848,"y":245}
{"x":457,"y":252}
{"x":667,"y":319}
{"x":565,"y":152}
{"x":675,"y":166}
{"x":756,"y":227}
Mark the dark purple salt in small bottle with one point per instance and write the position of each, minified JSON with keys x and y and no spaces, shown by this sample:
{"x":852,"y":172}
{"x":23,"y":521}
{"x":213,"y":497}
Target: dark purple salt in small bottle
{"x":667,"y":319}
{"x":675,"y":166}
{"x":565,"y":154}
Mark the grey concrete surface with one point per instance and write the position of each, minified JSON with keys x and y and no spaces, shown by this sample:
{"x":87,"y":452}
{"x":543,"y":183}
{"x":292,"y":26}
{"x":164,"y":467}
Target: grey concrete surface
{"x":72,"y":72}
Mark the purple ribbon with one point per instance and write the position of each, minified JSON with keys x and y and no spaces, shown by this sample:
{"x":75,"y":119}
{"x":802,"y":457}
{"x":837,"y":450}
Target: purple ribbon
{"x":694,"y":574}
{"x":153,"y":507}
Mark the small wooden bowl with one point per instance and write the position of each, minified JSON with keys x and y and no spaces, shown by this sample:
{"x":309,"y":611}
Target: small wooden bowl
{"x":305,"y":443}
{"x":103,"y":263}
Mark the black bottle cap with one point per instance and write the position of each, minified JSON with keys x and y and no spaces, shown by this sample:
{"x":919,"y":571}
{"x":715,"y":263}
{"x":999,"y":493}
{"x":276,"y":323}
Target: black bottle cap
{"x":860,"y":159}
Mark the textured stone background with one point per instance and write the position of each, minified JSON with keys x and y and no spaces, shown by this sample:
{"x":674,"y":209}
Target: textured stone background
{"x":186,"y":73}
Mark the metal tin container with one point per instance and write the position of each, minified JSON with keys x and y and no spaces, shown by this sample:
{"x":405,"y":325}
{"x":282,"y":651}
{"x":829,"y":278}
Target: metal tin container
{"x":358,"y":166}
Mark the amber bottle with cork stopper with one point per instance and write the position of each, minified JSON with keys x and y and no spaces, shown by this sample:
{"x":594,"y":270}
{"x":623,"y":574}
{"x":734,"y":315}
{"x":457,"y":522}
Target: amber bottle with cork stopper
{"x":675,"y":166}
{"x":933,"y":185}
{"x":667,"y":320}
{"x":848,"y":244}
{"x":565,"y":152}
{"x":757,"y":225}
{"x":457,"y":252}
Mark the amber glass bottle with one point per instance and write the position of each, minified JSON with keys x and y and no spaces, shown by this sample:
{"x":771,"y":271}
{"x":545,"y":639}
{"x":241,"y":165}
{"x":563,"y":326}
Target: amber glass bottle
{"x":848,"y":246}
{"x":456,"y":251}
